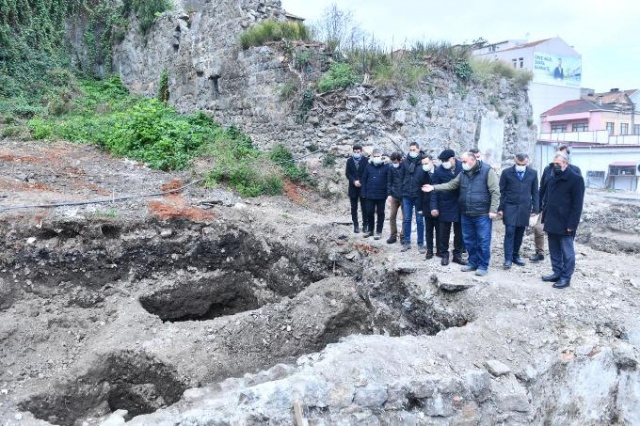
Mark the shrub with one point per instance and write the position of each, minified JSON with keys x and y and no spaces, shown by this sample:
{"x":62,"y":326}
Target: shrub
{"x":163,"y":87}
{"x":329,"y":160}
{"x":270,"y":30}
{"x":287,"y":90}
{"x":146,"y":10}
{"x":339,"y":75}
{"x":283,"y":157}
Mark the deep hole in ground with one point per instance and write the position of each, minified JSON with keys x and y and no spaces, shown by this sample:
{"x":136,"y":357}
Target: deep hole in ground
{"x":184,"y":271}
{"x":128,"y":380}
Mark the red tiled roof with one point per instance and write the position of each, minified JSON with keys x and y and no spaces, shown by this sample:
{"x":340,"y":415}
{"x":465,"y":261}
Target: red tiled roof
{"x":577,"y":106}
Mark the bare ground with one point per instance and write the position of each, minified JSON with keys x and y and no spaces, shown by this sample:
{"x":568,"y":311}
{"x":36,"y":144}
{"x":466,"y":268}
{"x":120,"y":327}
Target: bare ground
{"x":128,"y":304}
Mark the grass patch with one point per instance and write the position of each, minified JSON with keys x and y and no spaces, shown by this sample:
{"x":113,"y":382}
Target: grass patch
{"x":486,"y":71}
{"x":270,"y":30}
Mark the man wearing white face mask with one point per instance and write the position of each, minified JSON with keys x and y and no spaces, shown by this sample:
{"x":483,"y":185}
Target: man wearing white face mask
{"x":444,"y":206}
{"x":424,"y":206}
{"x":374,"y":191}
{"x":479,"y":200}
{"x":518,"y":202}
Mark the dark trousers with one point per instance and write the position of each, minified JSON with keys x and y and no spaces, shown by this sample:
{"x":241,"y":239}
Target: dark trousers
{"x":375,"y":210}
{"x":512,"y":241}
{"x":354,"y":211}
{"x":445,"y":234}
{"x":562,"y":254}
{"x":431,"y":226}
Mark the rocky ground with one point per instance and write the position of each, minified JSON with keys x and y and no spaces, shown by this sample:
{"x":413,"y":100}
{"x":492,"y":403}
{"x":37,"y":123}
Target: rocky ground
{"x":196,"y":307}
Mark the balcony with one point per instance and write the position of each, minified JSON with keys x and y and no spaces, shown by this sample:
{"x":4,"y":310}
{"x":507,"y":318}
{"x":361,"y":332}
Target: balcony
{"x":596,"y":137}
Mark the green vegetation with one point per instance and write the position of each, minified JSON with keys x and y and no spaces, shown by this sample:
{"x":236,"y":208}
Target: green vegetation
{"x":485,"y":71}
{"x":104,"y":113}
{"x":270,"y":30}
{"x":34,"y":62}
{"x":163,"y":87}
{"x":340,"y":75}
{"x":283,"y":157}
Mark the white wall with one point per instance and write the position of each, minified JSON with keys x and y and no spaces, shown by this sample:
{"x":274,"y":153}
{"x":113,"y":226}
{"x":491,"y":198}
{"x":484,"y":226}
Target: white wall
{"x":543,"y":97}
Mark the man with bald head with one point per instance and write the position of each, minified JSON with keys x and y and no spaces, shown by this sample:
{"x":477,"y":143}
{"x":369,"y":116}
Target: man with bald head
{"x":561,"y":209}
{"x":479,"y":200}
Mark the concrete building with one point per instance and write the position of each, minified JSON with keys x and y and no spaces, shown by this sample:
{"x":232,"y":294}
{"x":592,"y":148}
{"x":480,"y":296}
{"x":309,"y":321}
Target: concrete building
{"x":556,"y":68}
{"x":603,"y":132}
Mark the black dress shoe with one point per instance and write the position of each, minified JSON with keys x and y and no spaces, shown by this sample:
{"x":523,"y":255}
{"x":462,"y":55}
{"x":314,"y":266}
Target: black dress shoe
{"x":429,"y":254}
{"x":392,"y":239}
{"x":507,"y":265}
{"x":518,"y":261}
{"x":459,"y":260}
{"x":550,"y":278}
{"x":445,"y":260}
{"x":563,"y":283}
{"x":356,"y":229}
{"x":536,"y":257}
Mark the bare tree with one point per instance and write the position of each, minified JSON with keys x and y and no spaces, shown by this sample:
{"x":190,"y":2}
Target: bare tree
{"x":337,"y":29}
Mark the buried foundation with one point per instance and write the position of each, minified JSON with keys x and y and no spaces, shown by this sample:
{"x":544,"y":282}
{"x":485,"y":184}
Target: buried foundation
{"x":242,"y":303}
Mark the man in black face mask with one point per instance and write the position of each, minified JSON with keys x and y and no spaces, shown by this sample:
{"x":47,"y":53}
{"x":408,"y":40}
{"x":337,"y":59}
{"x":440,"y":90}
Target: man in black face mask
{"x":562,"y":207}
{"x":538,"y":230}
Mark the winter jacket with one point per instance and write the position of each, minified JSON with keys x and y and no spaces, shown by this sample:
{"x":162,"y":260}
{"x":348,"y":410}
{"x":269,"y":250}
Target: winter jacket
{"x":563,"y":203}
{"x":446,"y":202}
{"x":546,"y":174}
{"x":394,"y":183}
{"x":354,"y":173}
{"x":518,"y":198}
{"x":424,"y":202}
{"x":412,"y":175}
{"x":374,"y":181}
{"x":479,"y":190}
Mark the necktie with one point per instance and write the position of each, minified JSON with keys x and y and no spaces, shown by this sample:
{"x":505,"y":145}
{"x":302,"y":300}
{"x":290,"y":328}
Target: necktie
{"x":520,"y":175}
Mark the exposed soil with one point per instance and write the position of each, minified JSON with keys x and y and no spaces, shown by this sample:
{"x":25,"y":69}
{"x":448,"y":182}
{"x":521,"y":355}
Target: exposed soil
{"x":124,"y":305}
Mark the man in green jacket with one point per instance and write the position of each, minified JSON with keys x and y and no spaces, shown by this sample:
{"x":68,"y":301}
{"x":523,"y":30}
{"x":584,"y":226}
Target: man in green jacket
{"x":479,"y":200}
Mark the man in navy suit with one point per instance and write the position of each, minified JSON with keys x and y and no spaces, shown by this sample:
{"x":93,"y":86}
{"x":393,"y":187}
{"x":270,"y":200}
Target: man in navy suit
{"x":518,"y":202}
{"x":355,"y":168}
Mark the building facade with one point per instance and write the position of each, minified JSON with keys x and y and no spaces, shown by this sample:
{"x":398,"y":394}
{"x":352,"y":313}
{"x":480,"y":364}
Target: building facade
{"x":556,"y":68}
{"x":603,"y":133}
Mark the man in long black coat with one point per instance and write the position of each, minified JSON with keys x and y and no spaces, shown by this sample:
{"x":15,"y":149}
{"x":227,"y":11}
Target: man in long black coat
{"x":444,"y":206}
{"x":562,"y":208}
{"x":538,"y":229}
{"x":518,"y":202}
{"x":354,"y":170}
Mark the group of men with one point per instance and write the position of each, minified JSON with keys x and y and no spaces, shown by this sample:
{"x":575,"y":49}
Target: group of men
{"x":465,"y":195}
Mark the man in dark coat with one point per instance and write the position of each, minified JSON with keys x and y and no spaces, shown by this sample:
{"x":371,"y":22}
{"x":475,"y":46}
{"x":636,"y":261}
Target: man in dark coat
{"x":430,"y":221}
{"x":394,"y":189}
{"x":412,"y":175}
{"x":518,"y":202}
{"x":562,"y":208}
{"x":538,"y":230}
{"x":354,"y":171}
{"x":374,"y":191}
{"x":444,"y":206}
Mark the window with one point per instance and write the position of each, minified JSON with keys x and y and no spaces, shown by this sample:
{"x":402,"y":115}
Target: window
{"x":521,"y":62}
{"x":610,"y":127}
{"x":580,"y":127}
{"x":624,"y":128}
{"x":558,"y":128}
{"x":515,"y":63}
{"x":636,"y":129}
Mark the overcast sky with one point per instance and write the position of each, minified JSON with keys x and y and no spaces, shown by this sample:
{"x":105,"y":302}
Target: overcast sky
{"x":605,"y":33}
